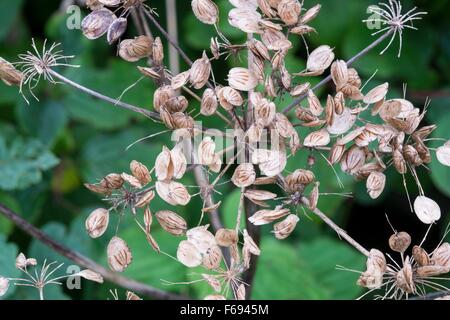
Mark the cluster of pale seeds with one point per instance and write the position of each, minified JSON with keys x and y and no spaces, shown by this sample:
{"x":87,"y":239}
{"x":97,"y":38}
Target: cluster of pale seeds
{"x":363,"y":148}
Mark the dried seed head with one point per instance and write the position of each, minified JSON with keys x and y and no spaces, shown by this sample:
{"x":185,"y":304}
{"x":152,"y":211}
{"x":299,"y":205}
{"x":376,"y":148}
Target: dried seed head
{"x":226,"y":237}
{"x":209,"y":103}
{"x":244,"y":175}
{"x":157,"y":52}
{"x":199,"y":72}
{"x":242,"y":79}
{"x":258,"y":196}
{"x":284,"y":228}
{"x":97,"y":188}
{"x":112,"y":181}
{"x":399,"y":241}
{"x":4,"y":285}
{"x":262,"y":217}
{"x":375,"y":184}
{"x":441,"y":256}
{"x":22,"y":262}
{"x":298,"y":179}
{"x":206,"y":11}
{"x":174,"y":193}
{"x":275,"y":40}
{"x":90,"y":275}
{"x":97,"y":222}
{"x":135,"y":49}
{"x":289,"y":11}
{"x":314,"y":197}
{"x":283,"y":126}
{"x":443,"y":154}
{"x":377,"y":94}
{"x":164,"y":165}
{"x":116,"y":30}
{"x":214,"y":46}
{"x":96,"y":24}
{"x":140,"y":172}
{"x":229,"y":98}
{"x":420,"y":256}
{"x":9,"y":74}
{"x":320,"y":59}
{"x":411,"y":155}
{"x":152,"y":73}
{"x":171,"y":222}
{"x":265,"y":8}
{"x":188,"y":254}
{"x":427,"y":210}
{"x":404,"y":279}
{"x":119,"y":254}
{"x":399,"y":162}
{"x":179,"y":80}
{"x":176,"y":104}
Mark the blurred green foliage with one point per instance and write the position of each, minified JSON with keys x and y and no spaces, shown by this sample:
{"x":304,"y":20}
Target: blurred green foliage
{"x":49,"y":148}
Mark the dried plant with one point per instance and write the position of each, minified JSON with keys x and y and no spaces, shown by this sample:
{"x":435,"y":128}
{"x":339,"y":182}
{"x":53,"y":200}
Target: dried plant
{"x":363,"y":146}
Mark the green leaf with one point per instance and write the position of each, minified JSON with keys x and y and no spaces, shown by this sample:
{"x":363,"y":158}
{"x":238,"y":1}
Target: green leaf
{"x":44,"y":120}
{"x":229,"y":210}
{"x":281,"y":274}
{"x":8,"y":256}
{"x":22,"y":161}
{"x":440,"y":174}
{"x":321,"y":257}
{"x":8,"y":13}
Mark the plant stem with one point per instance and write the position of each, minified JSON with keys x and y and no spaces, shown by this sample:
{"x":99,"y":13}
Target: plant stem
{"x":85,"y":262}
{"x":337,"y":229}
{"x":149,"y":114}
{"x":41,"y":294}
{"x":349,"y":63}
{"x":172,"y":28}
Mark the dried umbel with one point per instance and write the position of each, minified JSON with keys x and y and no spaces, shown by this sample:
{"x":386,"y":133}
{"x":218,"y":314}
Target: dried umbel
{"x":135,"y":49}
{"x":206,"y":11}
{"x":119,"y":254}
{"x":97,"y":222}
{"x":171,"y":222}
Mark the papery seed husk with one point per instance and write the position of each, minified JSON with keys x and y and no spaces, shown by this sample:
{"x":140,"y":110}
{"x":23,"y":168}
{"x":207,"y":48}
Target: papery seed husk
{"x":226,"y":237}
{"x":336,"y":153}
{"x":265,"y":8}
{"x":214,"y":297}
{"x":179,"y":80}
{"x":299,"y":178}
{"x":213,"y":282}
{"x":441,"y":256}
{"x":353,"y":159}
{"x":94,"y":4}
{"x":300,"y":89}
{"x":443,"y":154}
{"x":215,"y":48}
{"x":245,"y":19}
{"x":229,"y":98}
{"x":152,"y":73}
{"x":161,"y":96}
{"x":242,"y":79}
{"x":283,"y":229}
{"x":431,"y":271}
{"x":131,"y":296}
{"x":96,"y":24}
{"x":427,"y":210}
{"x":140,"y":172}
{"x":206,"y":11}
{"x":341,"y":123}
{"x":188,"y":254}
{"x":201,"y":238}
{"x":97,"y":222}
{"x":270,"y":162}
{"x":164,"y":169}
{"x":179,"y":161}
{"x":171,"y":222}
{"x":157,"y":52}
{"x":289,"y":11}
{"x":259,"y":195}
{"x":133,"y":50}
{"x":339,"y":103}
{"x":212,"y":257}
{"x":97,"y":188}
{"x":376,"y":94}
{"x":400,"y":241}
{"x":22,"y":261}
{"x":320,"y":59}
{"x":319,"y":138}
{"x":209,"y":103}
{"x":250,"y":244}
{"x":119,"y":254}
{"x":145,"y":199}
{"x":274,"y":39}
{"x":283,"y":126}
{"x":371,"y":279}
{"x":399,"y":162}
{"x":375,"y":184}
{"x":265,"y":111}
{"x":240,"y":292}
{"x":310,"y":14}
{"x":199,"y":72}
{"x":258,"y":49}
{"x":176,"y":104}
{"x":174,"y":193}
{"x":148,"y":218}
{"x":131,"y":180}
{"x":110,"y":3}
{"x":112,"y":181}
{"x":314,"y":197}
{"x":264,"y":216}
{"x":339,"y":73}
{"x":116,"y":30}
{"x":9,"y":74}
{"x":376,"y":261}
{"x":4,"y":286}
{"x":244,"y":175}
{"x":90,"y":275}
{"x":420,"y":256}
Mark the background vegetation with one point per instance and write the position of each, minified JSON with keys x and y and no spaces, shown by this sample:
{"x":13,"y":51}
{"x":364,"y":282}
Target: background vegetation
{"x":48,"y":149}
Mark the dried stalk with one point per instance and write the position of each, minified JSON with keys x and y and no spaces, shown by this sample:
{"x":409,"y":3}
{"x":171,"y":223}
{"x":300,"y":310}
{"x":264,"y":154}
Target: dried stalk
{"x":359,"y":55}
{"x":172,"y":28}
{"x":85,"y":262}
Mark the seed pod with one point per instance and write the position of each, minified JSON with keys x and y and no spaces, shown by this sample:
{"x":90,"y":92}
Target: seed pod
{"x":376,"y":94}
{"x":420,"y":256}
{"x":376,"y":261}
{"x":199,"y":72}
{"x":270,"y":162}
{"x":213,"y":282}
{"x":4,"y":286}
{"x":443,"y":154}
{"x":206,"y":11}
{"x":214,"y":297}
{"x":22,"y":261}
{"x":97,"y":188}
{"x":226,"y":237}
{"x":431,"y":271}
{"x":320,"y":59}
{"x":245,"y":19}
{"x":135,"y":49}
{"x":314,"y":197}
{"x":209,"y":103}
{"x":404,"y":279}
{"x":441,"y":256}
{"x":250,"y":244}
{"x":244,"y":175}
{"x":112,"y":181}
{"x":411,"y":155}
{"x":375,"y":184}
{"x":131,"y":296}
{"x":339,"y":104}
{"x":119,"y":254}
{"x":310,"y":14}
{"x":370,"y":280}
{"x":242,"y":79}
{"x":302,"y":30}
{"x":336,"y":153}
{"x":152,"y":73}
{"x":399,"y":241}
{"x":164,"y":165}
{"x":298,"y":179}
{"x":259,"y":196}
{"x":140,"y":172}
{"x":399,"y":162}
{"x":266,"y":9}
{"x":132,"y":181}
{"x":171,"y":222}
{"x":315,"y":106}
{"x":353,"y":159}
{"x":289,"y":11}
{"x":258,"y":49}
{"x":97,"y":222}
{"x":339,"y":73}
{"x":319,"y":138}
{"x":301,"y":89}
{"x":110,"y":3}
{"x":188,"y":254}
{"x":94,"y":4}
{"x":212,"y":257}
{"x":229,"y":98}
{"x":96,"y":24}
{"x":427,"y":210}
{"x":90,"y":275}
{"x":145,"y":199}
{"x":9,"y":74}
{"x":262,"y":217}
{"x":116,"y":30}
{"x":265,"y":112}
{"x":179,"y":80}
{"x":240,"y":292}
{"x":157,"y":52}
{"x":201,"y":238}
{"x":174,"y":193}
{"x":161,"y":96}
{"x":284,"y":228}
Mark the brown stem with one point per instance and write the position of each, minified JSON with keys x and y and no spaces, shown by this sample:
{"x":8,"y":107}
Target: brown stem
{"x":85,"y":262}
{"x":172,"y":28}
{"x":255,"y":232}
{"x":337,"y":229}
{"x":349,"y":63}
